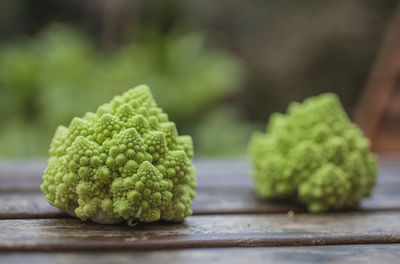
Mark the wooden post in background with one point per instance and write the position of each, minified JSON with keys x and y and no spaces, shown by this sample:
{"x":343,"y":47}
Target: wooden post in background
{"x":378,"y":112}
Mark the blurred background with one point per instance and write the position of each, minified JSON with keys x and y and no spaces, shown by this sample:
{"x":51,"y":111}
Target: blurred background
{"x":218,"y":68}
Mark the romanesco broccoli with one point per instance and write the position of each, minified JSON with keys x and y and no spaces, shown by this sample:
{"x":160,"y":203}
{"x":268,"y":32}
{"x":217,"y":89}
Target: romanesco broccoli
{"x":126,"y":161}
{"x":315,"y":155}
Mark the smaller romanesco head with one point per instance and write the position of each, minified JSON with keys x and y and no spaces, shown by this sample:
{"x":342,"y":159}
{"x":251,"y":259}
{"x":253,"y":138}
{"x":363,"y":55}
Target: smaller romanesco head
{"x":313,"y":154}
{"x":126,"y":161}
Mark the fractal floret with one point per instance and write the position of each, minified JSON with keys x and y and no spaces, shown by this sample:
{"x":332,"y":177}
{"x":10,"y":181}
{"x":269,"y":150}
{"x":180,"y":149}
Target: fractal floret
{"x":124,"y":162}
{"x":315,"y":155}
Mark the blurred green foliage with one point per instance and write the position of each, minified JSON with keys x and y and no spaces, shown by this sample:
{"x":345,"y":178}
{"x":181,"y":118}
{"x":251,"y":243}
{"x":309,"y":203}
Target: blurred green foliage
{"x":59,"y":74}
{"x":224,"y":132}
{"x":290,"y":50}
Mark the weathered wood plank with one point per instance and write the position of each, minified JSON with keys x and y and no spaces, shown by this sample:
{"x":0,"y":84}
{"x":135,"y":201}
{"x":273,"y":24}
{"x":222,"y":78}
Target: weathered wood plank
{"x":27,"y":205}
{"x":222,"y":200}
{"x":213,"y":201}
{"x":21,"y":175}
{"x":363,"y":254}
{"x":33,"y":205}
{"x":203,"y":231}
{"x":223,"y":187}
{"x":27,"y":175}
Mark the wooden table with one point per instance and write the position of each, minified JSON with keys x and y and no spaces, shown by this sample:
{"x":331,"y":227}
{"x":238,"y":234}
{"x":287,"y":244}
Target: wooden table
{"x":229,"y":225}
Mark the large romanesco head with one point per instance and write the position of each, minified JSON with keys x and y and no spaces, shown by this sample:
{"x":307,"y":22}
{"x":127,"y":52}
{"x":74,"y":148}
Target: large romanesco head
{"x":126,"y":161}
{"x":315,"y":155}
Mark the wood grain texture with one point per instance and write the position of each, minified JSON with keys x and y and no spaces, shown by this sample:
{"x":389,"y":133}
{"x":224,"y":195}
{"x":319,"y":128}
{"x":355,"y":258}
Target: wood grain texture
{"x":32,"y":205}
{"x":357,"y":254}
{"x":227,"y":215}
{"x":27,"y":205}
{"x":203,"y":231}
{"x":17,"y":176}
{"x":21,"y":175}
{"x":224,"y":187}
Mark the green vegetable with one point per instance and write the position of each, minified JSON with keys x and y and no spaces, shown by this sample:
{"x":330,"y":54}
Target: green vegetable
{"x":313,"y":154}
{"x":126,"y":161}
